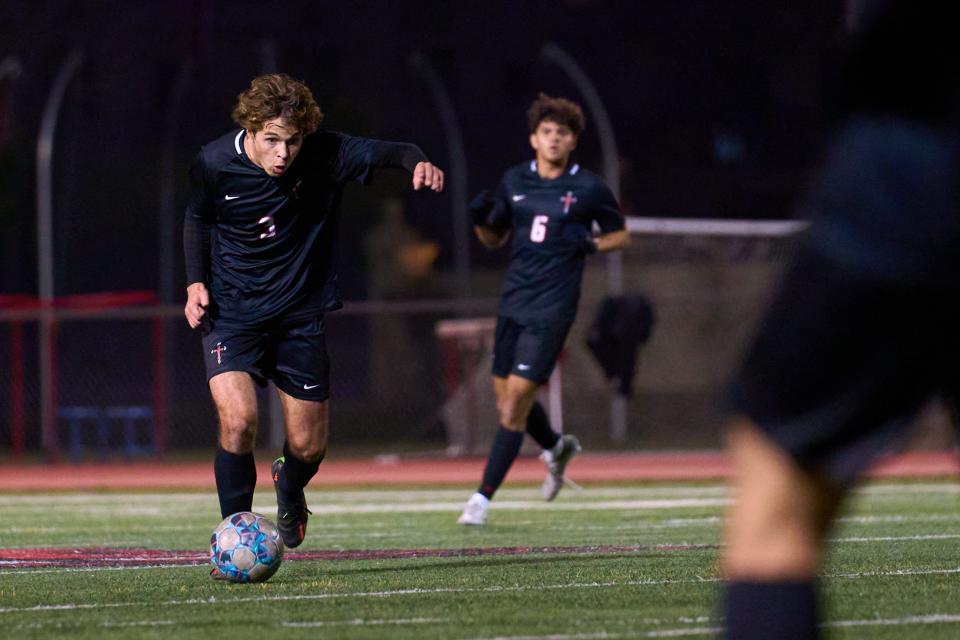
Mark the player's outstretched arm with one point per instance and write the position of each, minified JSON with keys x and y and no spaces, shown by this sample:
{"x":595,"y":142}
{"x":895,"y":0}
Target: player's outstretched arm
{"x":427,"y":175}
{"x":613,"y":241}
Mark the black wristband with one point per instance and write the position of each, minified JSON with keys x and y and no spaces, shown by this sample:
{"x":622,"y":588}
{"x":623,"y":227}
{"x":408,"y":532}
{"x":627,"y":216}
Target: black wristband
{"x":589,"y":245}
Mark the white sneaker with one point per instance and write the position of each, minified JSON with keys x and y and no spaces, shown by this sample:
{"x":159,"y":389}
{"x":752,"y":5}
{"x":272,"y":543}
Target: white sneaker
{"x":556,"y":460}
{"x":475,"y":513}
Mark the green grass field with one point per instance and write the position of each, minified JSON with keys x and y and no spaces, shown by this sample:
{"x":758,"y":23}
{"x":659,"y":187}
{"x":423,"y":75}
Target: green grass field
{"x":627,"y":561}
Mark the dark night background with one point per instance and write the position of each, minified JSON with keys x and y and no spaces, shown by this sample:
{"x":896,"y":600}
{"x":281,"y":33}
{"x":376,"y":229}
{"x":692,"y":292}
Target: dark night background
{"x":717,"y":107}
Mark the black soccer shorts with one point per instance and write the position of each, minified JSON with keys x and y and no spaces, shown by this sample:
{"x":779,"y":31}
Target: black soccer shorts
{"x":527,"y":349}
{"x":292,"y":354}
{"x":865,"y":327}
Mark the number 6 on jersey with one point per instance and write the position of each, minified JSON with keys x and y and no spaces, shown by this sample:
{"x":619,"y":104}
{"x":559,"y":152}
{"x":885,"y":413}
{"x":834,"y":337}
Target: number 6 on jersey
{"x":538,"y":230}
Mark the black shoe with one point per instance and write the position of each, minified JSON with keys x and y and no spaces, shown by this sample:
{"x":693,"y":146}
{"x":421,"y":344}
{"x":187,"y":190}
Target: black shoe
{"x":216,"y":574}
{"x":292,"y":514}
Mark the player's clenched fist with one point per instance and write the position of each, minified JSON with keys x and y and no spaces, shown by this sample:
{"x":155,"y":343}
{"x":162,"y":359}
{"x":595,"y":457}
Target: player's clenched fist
{"x":426,"y":174}
{"x":198,"y":298}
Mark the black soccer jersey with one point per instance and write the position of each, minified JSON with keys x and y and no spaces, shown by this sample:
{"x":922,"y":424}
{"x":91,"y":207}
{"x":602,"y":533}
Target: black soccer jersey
{"x":264,"y":245}
{"x":550,"y":220}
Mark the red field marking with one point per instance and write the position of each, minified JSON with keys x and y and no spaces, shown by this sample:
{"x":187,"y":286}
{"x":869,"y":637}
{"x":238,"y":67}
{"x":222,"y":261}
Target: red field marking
{"x":106,"y":557}
{"x":598,"y":467}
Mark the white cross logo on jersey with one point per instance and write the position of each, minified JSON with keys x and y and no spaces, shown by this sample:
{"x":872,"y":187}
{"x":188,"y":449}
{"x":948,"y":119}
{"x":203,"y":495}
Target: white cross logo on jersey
{"x":567,"y":200}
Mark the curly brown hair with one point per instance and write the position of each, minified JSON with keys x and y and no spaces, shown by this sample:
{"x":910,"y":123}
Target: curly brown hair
{"x":559,"y":110}
{"x":277,"y":95}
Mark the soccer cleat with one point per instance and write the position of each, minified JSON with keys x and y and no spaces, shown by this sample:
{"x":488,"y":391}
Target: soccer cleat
{"x":291,"y":514}
{"x":216,"y":574}
{"x":557,"y":463}
{"x":475,"y":513}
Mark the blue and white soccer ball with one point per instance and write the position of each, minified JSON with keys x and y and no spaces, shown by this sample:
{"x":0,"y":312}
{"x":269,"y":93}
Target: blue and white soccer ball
{"x":246,"y":547}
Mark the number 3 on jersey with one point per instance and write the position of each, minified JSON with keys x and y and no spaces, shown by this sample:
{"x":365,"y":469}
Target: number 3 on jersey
{"x":267,"y":227}
{"x":538,"y":230}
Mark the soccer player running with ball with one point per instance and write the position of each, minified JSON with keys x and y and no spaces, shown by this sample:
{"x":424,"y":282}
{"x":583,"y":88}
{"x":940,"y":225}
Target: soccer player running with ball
{"x":259,"y":235}
{"x":548,"y":207}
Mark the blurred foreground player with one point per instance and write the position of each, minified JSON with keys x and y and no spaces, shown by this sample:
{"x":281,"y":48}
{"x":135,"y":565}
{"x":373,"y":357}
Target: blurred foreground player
{"x":863,"y":331}
{"x":548,"y":205}
{"x":259,"y":235}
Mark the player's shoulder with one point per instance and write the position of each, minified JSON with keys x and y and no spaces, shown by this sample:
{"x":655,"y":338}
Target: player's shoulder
{"x":587,"y":178}
{"x":519,"y":171}
{"x":323,"y":143}
{"x":218,"y":153}
{"x":590,"y":183}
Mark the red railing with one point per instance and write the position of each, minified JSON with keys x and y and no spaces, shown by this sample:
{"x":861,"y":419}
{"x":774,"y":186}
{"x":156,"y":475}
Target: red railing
{"x":81,"y":302}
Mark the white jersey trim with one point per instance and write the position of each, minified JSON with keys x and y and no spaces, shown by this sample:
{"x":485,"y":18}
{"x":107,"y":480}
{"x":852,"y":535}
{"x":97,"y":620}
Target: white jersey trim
{"x":236,"y":141}
{"x":573,"y":170}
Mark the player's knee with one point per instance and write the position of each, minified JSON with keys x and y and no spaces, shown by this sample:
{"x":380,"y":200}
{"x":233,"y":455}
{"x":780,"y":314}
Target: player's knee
{"x":790,"y":554}
{"x":238,"y":429}
{"x":512,"y":417}
{"x":308,"y":447}
{"x":773,"y":541}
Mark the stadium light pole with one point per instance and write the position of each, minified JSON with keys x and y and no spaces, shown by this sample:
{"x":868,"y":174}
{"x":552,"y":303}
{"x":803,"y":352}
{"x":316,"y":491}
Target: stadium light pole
{"x":11,"y":67}
{"x":552,"y":52}
{"x":45,"y":267}
{"x":456,"y":177}
{"x":168,"y":182}
{"x":167,"y":238}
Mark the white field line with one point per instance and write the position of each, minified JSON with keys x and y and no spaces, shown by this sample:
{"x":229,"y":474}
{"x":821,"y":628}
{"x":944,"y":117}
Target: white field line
{"x":107,"y":624}
{"x":213,"y":600}
{"x":934,"y":618}
{"x":680,"y":633}
{"x":937,"y":618}
{"x":362,"y":529}
{"x":910,"y":538}
{"x":909,"y":488}
{"x":359,"y":622}
{"x":333,"y":496}
{"x":18,"y":572}
{"x":931,"y":536}
{"x":529,"y":505}
{"x":348,"y":497}
{"x":595,"y":635}
{"x":421,"y":507}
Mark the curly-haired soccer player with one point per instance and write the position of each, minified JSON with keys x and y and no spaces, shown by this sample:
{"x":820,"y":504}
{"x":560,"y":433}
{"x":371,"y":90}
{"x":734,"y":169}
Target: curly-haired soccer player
{"x":259,"y":234}
{"x":548,"y":207}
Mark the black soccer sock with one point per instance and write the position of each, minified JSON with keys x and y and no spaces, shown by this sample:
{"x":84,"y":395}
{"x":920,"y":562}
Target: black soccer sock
{"x":765,"y":610}
{"x":538,"y":426}
{"x":236,"y":476}
{"x":506,"y":447}
{"x":296,"y":472}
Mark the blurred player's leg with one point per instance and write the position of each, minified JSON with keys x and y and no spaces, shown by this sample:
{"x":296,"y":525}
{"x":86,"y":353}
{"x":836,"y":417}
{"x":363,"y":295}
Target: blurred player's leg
{"x":236,"y":474}
{"x":557,"y":459}
{"x":306,"y":443}
{"x":775,"y":540}
{"x":515,"y":396}
{"x":538,"y":426}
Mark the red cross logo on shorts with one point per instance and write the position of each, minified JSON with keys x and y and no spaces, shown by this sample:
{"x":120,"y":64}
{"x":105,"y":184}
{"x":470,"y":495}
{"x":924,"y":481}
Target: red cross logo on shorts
{"x":220,"y":348}
{"x":567,"y":200}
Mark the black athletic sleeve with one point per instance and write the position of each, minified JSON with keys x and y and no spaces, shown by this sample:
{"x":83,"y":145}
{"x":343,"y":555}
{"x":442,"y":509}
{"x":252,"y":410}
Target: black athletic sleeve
{"x":356,"y":157}
{"x":606,"y":211}
{"x":500,"y":217}
{"x":198,"y":220}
